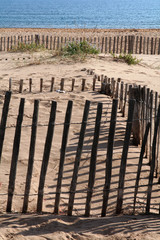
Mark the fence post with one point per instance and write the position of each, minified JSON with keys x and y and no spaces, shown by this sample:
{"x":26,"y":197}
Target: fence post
{"x":62,"y":84}
{"x":52,"y":84}
{"x":15,"y":154}
{"x":78,"y":158}
{"x":73,"y":83}
{"x":31,"y":155}
{"x":62,"y":156}
{"x":41,"y":84}
{"x":152,"y":162}
{"x":30,"y":85}
{"x":124,"y":156}
{"x":93,"y":159}
{"x":10,"y":84}
{"x":21,"y":86}
{"x":109,"y":156}
{"x":125,"y":100}
{"x":37,"y":39}
{"x":46,"y":154}
{"x":136,"y":126}
{"x":94,"y":83}
{"x":4,"y":120}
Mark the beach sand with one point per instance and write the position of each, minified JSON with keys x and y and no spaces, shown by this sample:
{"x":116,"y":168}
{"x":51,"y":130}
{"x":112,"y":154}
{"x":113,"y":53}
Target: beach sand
{"x":44,"y":65}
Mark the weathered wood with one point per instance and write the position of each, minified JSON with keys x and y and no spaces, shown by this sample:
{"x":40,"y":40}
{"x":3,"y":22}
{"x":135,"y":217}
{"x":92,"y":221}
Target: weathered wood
{"x":147,"y":117}
{"x":151,"y":45}
{"x":140,"y":45}
{"x":136,"y":126}
{"x":4,"y":120}
{"x":143,"y":110}
{"x":114,"y":44}
{"x":47,"y":42}
{"x":62,"y":84}
{"x":102,"y":45}
{"x":51,"y":43}
{"x":30,"y":85}
{"x":21,"y":86}
{"x":144,"y":45}
{"x":125,"y":100}
{"x":52,"y":84}
{"x":121,"y":46}
{"x":151,"y":121}
{"x":78,"y":158}
{"x":46,"y":154}
{"x":62,"y":156}
{"x":117,"y":90}
{"x":94,"y":84}
{"x":159,"y":47}
{"x":37,"y":39}
{"x":150,"y":182}
{"x":147,"y":45}
{"x":124,"y":156}
{"x":110,"y":42}
{"x":117,"y":44}
{"x":10,"y":84}
{"x":15,"y":154}
{"x":41,"y":84}
{"x":155,"y":45}
{"x":106,"y":45}
{"x":125,"y":44}
{"x":73,"y":83}
{"x":31,"y":156}
{"x":140,"y":163}
{"x":136,"y":45}
{"x":83,"y":84}
{"x":108,"y":171}
{"x":121,"y":97}
{"x":93,"y":159}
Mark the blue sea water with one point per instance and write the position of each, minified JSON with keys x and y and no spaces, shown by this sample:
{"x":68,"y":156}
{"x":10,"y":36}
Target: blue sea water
{"x":80,"y":13}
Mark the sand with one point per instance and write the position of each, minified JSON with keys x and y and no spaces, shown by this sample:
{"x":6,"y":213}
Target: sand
{"x":48,"y":226}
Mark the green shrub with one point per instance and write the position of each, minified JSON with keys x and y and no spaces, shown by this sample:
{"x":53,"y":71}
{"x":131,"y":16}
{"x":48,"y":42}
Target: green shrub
{"x":33,"y":47}
{"x":128,"y":58}
{"x":78,"y":48}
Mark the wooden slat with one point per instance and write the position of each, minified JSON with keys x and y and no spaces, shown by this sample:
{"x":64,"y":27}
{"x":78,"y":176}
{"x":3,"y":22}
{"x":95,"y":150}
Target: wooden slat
{"x":62,"y":156}
{"x":150,"y":182}
{"x":140,"y":163}
{"x":78,"y":158}
{"x":125,"y":100}
{"x":93,"y":159}
{"x":110,"y":146}
{"x":46,"y":154}
{"x":15,"y":154}
{"x":4,"y":120}
{"x":124,"y":156}
{"x":31,"y":156}
{"x":52,"y":84}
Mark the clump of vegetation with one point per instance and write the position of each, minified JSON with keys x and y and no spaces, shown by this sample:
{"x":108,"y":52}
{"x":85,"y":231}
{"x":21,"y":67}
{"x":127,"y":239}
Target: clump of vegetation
{"x":127,"y":58}
{"x":32,"y":47}
{"x":78,"y":48}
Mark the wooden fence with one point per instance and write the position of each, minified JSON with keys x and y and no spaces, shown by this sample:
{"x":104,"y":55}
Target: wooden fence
{"x":28,"y":86}
{"x":146,"y":107}
{"x":117,"y":44}
{"x":90,"y":190}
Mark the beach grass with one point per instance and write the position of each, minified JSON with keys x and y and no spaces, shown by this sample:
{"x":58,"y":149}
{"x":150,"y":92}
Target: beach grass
{"x":32,"y":47}
{"x":127,"y":58}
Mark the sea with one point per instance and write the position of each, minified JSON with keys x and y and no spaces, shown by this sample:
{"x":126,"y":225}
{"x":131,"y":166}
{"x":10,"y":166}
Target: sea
{"x":105,"y":14}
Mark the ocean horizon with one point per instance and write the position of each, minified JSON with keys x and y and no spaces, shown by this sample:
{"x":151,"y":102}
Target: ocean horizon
{"x":103,"y":14}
